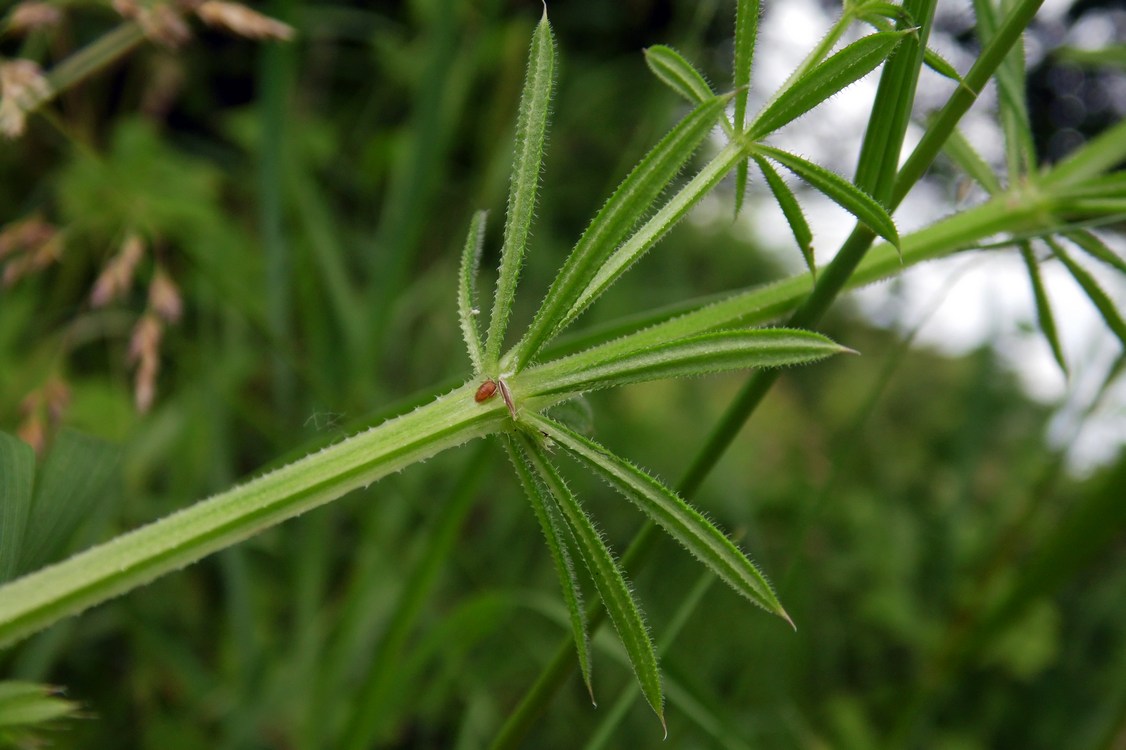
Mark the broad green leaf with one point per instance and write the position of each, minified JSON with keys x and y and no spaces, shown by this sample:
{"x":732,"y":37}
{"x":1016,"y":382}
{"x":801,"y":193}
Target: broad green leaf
{"x":678,"y":74}
{"x":608,"y":577}
{"x":792,"y":210}
{"x":467,"y":309}
{"x":70,"y":484}
{"x":531,"y":128}
{"x":622,"y":212}
{"x":17,"y":478}
{"x":842,"y":69}
{"x":554,"y":533}
{"x":696,"y":355}
{"x":841,"y":191}
{"x":746,"y":32}
{"x":656,"y":228}
{"x":1095,"y":293}
{"x":1090,"y":243}
{"x":683,"y":522}
{"x":970,"y":161}
{"x":1043,"y":306}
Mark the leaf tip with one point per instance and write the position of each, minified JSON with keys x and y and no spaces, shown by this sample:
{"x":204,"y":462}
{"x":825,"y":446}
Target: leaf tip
{"x":786,"y":616}
{"x":544,"y":17}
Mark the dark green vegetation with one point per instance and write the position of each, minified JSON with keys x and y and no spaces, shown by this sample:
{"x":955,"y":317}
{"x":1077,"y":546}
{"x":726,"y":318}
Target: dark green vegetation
{"x":951,"y":585}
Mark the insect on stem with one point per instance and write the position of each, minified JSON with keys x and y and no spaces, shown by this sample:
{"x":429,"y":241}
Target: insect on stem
{"x":489,"y":388}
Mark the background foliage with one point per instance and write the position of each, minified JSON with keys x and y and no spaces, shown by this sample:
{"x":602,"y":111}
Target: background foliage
{"x":952,"y":584}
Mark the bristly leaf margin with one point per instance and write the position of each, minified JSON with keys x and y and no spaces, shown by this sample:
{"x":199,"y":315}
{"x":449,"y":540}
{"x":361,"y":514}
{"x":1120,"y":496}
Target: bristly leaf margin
{"x":548,"y":515}
{"x":531,"y":131}
{"x":683,"y":523}
{"x":467,"y":309}
{"x":609,"y":578}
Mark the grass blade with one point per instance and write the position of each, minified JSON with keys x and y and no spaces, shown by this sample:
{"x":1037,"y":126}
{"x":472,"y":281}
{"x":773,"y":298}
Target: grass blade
{"x":678,"y":74}
{"x":1019,"y":149}
{"x":839,"y":71}
{"x":17,"y":477}
{"x":553,"y":531}
{"x":941,"y":65}
{"x":683,"y":522}
{"x":696,"y":355}
{"x":608,"y":578}
{"x":792,"y":210}
{"x":70,"y":483}
{"x":969,"y":160}
{"x":1089,"y":243}
{"x":746,"y":32}
{"x":1095,"y":293}
{"x":1043,"y":306}
{"x":621,"y":213}
{"x":467,"y":309}
{"x":839,"y":190}
{"x":531,"y":129}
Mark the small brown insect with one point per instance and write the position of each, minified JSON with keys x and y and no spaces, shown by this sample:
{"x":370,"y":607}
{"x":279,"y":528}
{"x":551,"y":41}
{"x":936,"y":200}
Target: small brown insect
{"x":487,"y":390}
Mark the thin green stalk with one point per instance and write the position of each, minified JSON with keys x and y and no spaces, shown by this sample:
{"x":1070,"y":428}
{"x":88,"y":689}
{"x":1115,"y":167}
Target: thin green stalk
{"x":95,"y":56}
{"x":275,"y":78}
{"x":370,"y":704}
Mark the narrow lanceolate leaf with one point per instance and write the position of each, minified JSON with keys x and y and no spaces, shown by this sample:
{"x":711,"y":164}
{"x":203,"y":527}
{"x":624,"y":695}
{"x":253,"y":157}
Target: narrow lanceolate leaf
{"x":17,"y":475}
{"x":554,"y":531}
{"x":623,"y":211}
{"x":1094,"y":292}
{"x":1096,"y":248}
{"x":841,"y":191}
{"x":608,"y":577}
{"x":656,"y":228}
{"x":1043,"y":306}
{"x":792,"y":211}
{"x":874,"y":12}
{"x":531,"y":127}
{"x":683,"y":522}
{"x":940,"y":65}
{"x":29,"y":706}
{"x":842,"y":69}
{"x":678,"y":74}
{"x":695,"y":355}
{"x":746,"y":32}
{"x":467,"y":309}
{"x":971,"y":162}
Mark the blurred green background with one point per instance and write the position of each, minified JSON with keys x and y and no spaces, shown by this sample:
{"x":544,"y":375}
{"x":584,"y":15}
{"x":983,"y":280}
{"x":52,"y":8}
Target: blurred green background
{"x":953,"y":585}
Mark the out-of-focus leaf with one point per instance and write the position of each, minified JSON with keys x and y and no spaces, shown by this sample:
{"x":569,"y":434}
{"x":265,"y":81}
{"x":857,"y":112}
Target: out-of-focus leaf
{"x":17,"y":480}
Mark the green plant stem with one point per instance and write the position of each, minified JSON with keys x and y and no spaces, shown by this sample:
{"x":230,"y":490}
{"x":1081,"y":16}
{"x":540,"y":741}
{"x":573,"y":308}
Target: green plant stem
{"x":95,"y":56}
{"x":369,"y":709}
{"x":130,"y":560}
